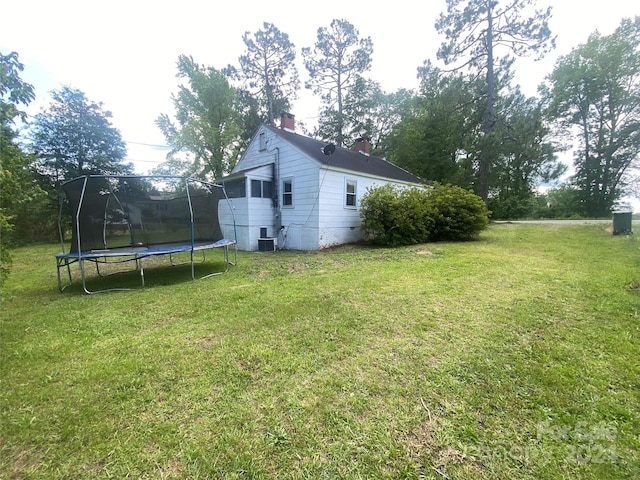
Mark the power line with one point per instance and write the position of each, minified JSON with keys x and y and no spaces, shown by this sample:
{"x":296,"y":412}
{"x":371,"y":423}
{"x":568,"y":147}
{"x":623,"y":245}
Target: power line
{"x":147,"y":144}
{"x":144,"y":161}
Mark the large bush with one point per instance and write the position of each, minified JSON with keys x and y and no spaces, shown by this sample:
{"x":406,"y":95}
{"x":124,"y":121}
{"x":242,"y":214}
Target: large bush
{"x":394,"y":216}
{"x":458,"y":214}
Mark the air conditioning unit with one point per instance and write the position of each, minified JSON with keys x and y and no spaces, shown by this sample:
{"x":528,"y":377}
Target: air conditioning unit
{"x":267,"y":244}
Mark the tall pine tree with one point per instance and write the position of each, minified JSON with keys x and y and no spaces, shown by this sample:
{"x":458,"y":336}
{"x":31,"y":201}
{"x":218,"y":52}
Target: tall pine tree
{"x":335,"y":64}
{"x":476,"y":32}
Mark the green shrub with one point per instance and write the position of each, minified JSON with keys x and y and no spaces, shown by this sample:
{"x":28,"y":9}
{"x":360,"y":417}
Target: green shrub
{"x":380,"y":210}
{"x":5,"y":256}
{"x":394,"y":216}
{"x":458,"y":214}
{"x":513,"y":207}
{"x":416,"y":222}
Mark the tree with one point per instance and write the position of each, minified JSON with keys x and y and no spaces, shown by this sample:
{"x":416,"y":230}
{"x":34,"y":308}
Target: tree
{"x":562,"y":201}
{"x":15,"y":178}
{"x":75,"y":137}
{"x":475,"y":31}
{"x":269,"y":70}
{"x":525,"y":159}
{"x":208,"y":125}
{"x":16,"y":183}
{"x":335,"y":65}
{"x":595,"y":90}
{"x":368,"y":112}
{"x":434,"y":134}
{"x":440,"y":138}
{"x":371,"y":112}
{"x":13,"y":90}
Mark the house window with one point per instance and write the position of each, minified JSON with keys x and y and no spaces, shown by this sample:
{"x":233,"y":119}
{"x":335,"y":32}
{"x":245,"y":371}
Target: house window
{"x":256,"y":188}
{"x":236,"y":188}
{"x":351,"y":187}
{"x":287,"y":192}
{"x":261,"y":189}
{"x":267,"y":189}
{"x":263,"y":142}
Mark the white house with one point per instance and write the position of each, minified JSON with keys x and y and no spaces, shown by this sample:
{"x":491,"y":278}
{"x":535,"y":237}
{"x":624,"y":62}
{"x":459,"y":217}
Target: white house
{"x":293,"y":192}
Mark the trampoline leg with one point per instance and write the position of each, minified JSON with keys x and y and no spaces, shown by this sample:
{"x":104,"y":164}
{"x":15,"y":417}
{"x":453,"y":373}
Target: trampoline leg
{"x":193,"y":268}
{"x":60,"y":264}
{"x":235,"y":255}
{"x":175,"y":264}
{"x":84,"y":280}
{"x":138,"y":261}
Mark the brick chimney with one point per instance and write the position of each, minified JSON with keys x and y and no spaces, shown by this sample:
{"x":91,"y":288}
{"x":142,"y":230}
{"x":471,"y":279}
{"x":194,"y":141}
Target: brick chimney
{"x":363,"y":145}
{"x":288,"y":122}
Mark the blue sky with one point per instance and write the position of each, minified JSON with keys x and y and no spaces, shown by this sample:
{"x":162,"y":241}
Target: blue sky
{"x":123,"y":53}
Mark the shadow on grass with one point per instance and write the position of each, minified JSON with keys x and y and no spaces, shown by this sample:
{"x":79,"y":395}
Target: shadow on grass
{"x":154,"y":273}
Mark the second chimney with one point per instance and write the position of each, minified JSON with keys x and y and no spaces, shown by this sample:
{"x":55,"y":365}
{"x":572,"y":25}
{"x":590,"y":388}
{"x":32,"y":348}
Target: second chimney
{"x":288,"y":122}
{"x":363,"y":145}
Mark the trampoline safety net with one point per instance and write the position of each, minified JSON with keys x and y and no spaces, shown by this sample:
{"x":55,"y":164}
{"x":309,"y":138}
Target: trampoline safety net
{"x":139,"y":216}
{"x":114,"y":212}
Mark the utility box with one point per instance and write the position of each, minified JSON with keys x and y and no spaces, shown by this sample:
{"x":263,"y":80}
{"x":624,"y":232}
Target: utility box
{"x":622,"y":222}
{"x":267,"y":244}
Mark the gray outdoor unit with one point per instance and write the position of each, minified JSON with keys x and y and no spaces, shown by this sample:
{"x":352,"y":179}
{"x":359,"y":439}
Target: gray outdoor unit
{"x":267,"y":244}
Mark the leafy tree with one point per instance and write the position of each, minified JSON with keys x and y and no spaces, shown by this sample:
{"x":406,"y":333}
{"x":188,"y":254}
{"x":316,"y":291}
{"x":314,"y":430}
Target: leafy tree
{"x":13,"y":91}
{"x":562,"y":201}
{"x":16,"y":183}
{"x":440,"y":138}
{"x":595,"y":90}
{"x":335,"y":65}
{"x":269,"y":70}
{"x":15,"y":177}
{"x":207,"y":123}
{"x":75,"y":137}
{"x":525,"y":158}
{"x":432,"y":137}
{"x":476,"y":31}
{"x":370,"y":112}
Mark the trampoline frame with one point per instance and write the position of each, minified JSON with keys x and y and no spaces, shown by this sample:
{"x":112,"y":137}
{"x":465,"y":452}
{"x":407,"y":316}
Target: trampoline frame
{"x":137,"y":253}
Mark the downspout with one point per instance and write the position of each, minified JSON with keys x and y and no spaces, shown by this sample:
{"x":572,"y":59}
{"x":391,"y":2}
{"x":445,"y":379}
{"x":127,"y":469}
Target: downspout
{"x":277,"y":215}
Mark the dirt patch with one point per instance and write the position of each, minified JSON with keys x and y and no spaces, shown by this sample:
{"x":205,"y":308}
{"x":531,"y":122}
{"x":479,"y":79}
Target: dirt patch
{"x":297,"y":267}
{"x":634,"y":286}
{"x":209,"y":340}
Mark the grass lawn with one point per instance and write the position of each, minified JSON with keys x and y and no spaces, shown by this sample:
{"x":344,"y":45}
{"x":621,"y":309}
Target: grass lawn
{"x":514,"y":356}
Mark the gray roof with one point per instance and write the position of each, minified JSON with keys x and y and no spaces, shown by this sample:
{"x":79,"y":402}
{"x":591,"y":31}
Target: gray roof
{"x":346,"y":159}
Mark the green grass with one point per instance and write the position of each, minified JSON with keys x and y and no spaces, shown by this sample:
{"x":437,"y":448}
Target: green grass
{"x":515,"y":356}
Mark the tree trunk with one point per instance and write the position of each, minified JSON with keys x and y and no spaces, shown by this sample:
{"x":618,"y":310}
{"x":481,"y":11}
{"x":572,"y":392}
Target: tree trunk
{"x":485,"y":154}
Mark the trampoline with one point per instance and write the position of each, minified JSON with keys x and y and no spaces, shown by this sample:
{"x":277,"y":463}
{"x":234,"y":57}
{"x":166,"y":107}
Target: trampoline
{"x":125,"y":219}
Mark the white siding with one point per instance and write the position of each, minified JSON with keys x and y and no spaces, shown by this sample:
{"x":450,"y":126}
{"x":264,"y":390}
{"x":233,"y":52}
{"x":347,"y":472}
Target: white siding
{"x":318,"y":217}
{"x":253,"y":156}
{"x":241,"y":216}
{"x":300,"y":221}
{"x":250,"y":213}
{"x":339,"y":224}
